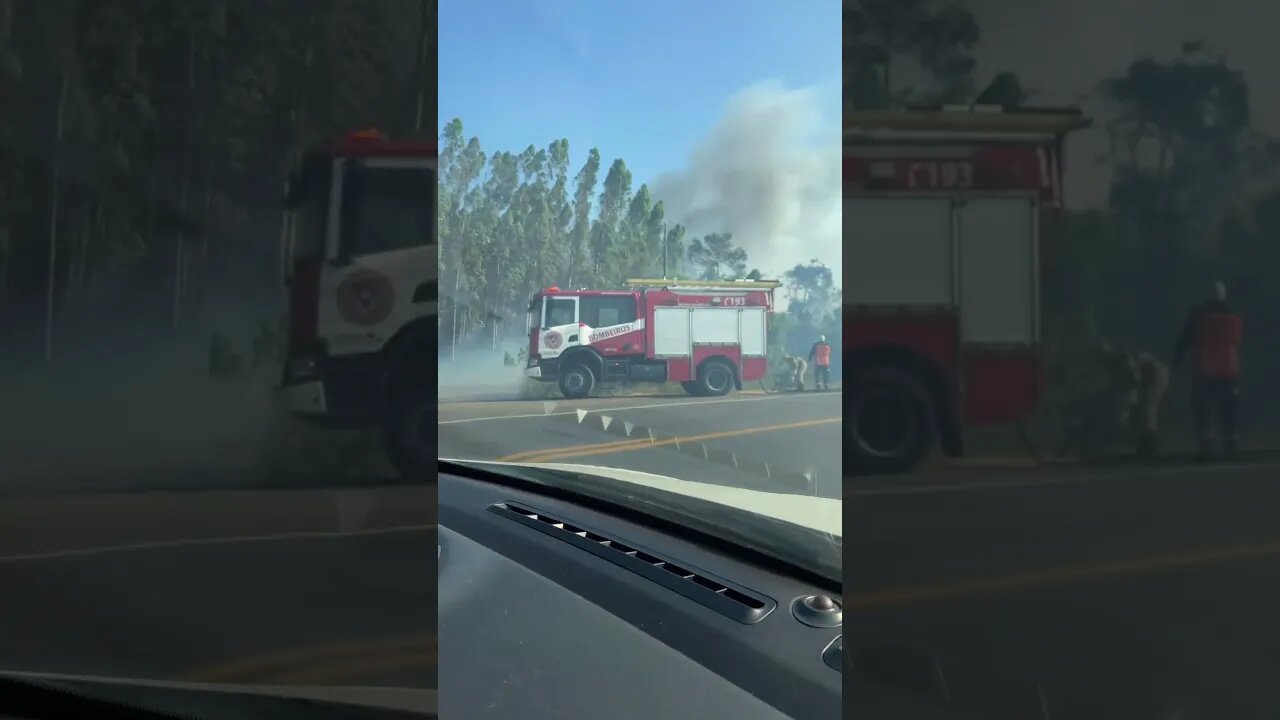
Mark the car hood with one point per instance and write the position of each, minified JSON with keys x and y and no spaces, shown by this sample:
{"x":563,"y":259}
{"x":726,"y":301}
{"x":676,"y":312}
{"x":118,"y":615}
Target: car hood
{"x":824,"y":515}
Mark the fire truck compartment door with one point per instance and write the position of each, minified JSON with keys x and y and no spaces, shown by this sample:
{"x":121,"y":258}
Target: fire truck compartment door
{"x":998,"y":271}
{"x":715,"y":326}
{"x":897,"y":251}
{"x":752,"y":332}
{"x":671,"y":332}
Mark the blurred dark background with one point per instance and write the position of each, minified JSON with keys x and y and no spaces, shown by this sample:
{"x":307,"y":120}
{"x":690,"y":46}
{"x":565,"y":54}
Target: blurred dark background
{"x":1177,"y":184}
{"x":143,"y":149}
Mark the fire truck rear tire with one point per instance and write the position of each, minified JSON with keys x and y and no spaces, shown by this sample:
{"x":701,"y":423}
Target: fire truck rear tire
{"x":577,"y":381}
{"x":691,"y":387}
{"x":889,"y":423}
{"x":715,"y":377}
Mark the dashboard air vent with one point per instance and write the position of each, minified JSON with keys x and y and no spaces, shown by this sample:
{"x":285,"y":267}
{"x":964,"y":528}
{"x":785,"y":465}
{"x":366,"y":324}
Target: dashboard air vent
{"x":732,"y":601}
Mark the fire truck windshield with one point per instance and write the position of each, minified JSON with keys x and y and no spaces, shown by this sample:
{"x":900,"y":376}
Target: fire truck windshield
{"x":561,"y":311}
{"x":387,"y":208}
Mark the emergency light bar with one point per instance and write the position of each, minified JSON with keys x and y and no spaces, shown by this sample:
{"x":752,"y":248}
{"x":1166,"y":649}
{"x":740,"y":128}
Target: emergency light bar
{"x":367,"y":134}
{"x":705,"y":284}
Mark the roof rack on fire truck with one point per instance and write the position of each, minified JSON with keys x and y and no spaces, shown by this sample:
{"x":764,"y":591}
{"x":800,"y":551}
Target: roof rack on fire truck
{"x":975,"y":119}
{"x":677,"y":284}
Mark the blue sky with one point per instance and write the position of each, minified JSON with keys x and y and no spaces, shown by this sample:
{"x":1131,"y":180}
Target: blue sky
{"x":643,"y":81}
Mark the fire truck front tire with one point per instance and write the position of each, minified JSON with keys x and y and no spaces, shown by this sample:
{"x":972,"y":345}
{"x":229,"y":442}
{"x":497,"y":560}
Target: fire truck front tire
{"x":889,"y":422}
{"x":577,"y":381}
{"x":715,"y":377}
{"x":409,"y":432}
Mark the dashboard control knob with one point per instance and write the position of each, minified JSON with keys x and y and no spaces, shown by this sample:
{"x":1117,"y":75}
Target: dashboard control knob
{"x":823,"y":603}
{"x":820,"y":611}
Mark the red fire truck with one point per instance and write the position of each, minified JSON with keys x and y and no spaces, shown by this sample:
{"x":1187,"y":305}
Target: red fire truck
{"x":359,"y":245}
{"x":709,"y":336}
{"x":944,"y":212}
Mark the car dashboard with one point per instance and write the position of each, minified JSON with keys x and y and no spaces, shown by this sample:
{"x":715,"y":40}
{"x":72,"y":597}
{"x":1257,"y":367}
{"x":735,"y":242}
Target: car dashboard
{"x":550,"y":607}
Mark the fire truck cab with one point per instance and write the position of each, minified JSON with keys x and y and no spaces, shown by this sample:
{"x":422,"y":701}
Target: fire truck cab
{"x":944,"y":217}
{"x":359,"y":248}
{"x":710,"y":336}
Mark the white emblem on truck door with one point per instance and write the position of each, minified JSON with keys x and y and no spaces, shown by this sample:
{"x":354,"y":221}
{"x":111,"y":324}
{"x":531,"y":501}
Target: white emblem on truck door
{"x":365,"y":297}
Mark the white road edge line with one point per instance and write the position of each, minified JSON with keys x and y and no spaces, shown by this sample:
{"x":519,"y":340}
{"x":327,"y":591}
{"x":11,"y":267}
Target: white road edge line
{"x":227,"y":540}
{"x":1143,"y":473}
{"x":780,"y":396}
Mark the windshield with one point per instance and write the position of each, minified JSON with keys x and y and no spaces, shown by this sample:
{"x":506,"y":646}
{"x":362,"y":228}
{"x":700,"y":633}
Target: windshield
{"x":561,"y":311}
{"x":683,"y":229}
{"x":387,"y":208}
{"x":183,"y":497}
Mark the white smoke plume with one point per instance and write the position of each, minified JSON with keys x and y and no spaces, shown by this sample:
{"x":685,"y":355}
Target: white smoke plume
{"x":769,"y":173}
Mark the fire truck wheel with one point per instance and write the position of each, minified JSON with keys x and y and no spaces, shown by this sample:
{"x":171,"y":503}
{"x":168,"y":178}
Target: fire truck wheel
{"x":577,"y":381}
{"x":409,"y":434}
{"x":715,"y":377}
{"x":889,"y":422}
{"x":691,"y":387}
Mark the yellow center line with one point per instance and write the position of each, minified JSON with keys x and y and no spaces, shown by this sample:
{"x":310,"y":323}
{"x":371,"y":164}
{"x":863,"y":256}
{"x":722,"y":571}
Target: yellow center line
{"x":1039,"y":579}
{"x":272,"y":664}
{"x":548,"y":454}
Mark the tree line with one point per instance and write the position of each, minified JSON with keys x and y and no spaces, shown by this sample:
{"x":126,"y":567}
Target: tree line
{"x":145,"y":143}
{"x":511,"y":223}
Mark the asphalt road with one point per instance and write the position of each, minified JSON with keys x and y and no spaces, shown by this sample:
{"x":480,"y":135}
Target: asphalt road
{"x":787,"y":442}
{"x":1088,"y":593}
{"x":304,"y":586}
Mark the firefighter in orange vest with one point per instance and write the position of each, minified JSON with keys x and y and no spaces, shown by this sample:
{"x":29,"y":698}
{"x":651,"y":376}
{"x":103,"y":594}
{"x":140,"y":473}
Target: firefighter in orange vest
{"x":820,"y":358}
{"x":1213,"y":333}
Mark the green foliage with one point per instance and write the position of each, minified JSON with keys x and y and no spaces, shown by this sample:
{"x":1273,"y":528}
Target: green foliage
{"x":511,"y":223}
{"x":178,"y":116}
{"x":938,"y":36}
{"x":715,"y":257}
{"x":1005,"y":90}
{"x":1192,"y":198}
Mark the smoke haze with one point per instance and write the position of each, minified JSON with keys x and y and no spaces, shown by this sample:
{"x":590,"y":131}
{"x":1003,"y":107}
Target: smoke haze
{"x":769,"y":173}
{"x":1063,"y":50}
{"x":127,"y":404}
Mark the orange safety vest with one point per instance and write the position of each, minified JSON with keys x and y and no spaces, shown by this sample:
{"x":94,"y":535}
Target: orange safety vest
{"x":1217,"y":345}
{"x":822,"y":355}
